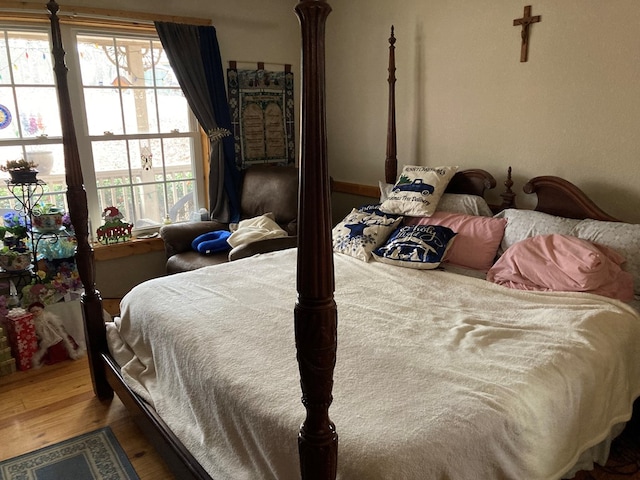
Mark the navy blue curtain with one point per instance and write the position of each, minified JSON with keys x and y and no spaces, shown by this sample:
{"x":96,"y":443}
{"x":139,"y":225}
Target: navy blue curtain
{"x":194,"y":55}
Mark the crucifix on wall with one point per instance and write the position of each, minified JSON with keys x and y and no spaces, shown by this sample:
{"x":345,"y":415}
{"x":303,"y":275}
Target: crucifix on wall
{"x":525,"y":22}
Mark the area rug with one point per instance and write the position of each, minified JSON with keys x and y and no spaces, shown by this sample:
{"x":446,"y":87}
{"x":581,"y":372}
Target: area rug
{"x":92,"y":456}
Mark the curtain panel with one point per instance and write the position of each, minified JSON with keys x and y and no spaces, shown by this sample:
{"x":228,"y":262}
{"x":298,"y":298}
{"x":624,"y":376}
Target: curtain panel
{"x":194,"y":55}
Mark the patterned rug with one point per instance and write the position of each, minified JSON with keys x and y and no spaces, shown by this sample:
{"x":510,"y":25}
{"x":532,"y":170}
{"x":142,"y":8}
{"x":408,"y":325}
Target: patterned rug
{"x":92,"y":456}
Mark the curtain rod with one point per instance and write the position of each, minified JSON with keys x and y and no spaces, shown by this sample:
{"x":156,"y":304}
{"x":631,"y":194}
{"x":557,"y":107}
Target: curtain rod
{"x":103,"y":14}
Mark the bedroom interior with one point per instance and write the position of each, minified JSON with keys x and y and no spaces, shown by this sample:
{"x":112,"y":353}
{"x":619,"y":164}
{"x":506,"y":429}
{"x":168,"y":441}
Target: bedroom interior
{"x":415,"y":146}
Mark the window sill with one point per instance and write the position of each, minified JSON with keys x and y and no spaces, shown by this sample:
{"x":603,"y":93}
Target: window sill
{"x":137,"y":246}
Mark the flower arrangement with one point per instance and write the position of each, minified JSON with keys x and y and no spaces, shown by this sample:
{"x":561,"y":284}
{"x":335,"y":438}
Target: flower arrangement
{"x":49,"y":288}
{"x":16,"y":226}
{"x":14,"y":254}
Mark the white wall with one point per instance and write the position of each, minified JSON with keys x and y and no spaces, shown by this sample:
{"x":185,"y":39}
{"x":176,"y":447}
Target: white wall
{"x":464,"y":98}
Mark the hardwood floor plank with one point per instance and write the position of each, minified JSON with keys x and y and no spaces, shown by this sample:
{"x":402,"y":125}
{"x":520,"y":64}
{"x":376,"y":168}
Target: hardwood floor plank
{"x":44,"y":406}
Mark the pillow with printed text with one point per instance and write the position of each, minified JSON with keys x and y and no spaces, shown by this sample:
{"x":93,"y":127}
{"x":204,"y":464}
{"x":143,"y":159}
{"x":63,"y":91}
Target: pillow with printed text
{"x":418,"y":190}
{"x":418,"y":246}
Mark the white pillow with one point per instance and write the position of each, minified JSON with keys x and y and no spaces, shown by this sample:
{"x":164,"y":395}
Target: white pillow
{"x":361,"y":232}
{"x":624,"y":238}
{"x":418,"y":190}
{"x":522,"y":224}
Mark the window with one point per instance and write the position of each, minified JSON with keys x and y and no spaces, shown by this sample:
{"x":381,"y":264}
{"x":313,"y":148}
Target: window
{"x":137,"y":137}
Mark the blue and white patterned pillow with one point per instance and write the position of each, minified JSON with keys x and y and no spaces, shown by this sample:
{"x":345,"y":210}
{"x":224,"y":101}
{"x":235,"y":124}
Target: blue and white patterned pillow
{"x":361,"y":232}
{"x":417,"y":246}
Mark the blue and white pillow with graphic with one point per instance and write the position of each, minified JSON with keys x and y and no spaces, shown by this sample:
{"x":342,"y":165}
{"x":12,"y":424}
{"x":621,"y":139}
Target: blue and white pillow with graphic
{"x":417,"y":246}
{"x":361,"y":232}
{"x":418,"y":190}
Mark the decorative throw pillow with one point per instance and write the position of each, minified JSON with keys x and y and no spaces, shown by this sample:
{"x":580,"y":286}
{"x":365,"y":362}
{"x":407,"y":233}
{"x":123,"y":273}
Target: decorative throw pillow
{"x":450,"y":202}
{"x":563,"y":263}
{"x":212,"y":242}
{"x":523,"y":224}
{"x":624,"y":238}
{"x":418,"y":190}
{"x":478,"y":239}
{"x":418,"y":246}
{"x":375,"y":208}
{"x":361,"y":232}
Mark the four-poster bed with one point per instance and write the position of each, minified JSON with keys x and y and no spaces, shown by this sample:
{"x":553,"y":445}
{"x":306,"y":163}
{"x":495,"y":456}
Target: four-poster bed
{"x":252,"y":374}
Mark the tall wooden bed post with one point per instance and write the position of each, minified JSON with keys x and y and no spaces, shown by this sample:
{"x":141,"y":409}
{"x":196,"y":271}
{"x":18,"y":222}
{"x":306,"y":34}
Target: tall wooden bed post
{"x":391,"y":162}
{"x":315,"y":311}
{"x":79,"y":213}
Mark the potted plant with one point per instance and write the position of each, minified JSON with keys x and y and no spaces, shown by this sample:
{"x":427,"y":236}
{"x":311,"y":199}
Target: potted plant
{"x":21,"y":171}
{"x":46,"y":217}
{"x":13,"y":260}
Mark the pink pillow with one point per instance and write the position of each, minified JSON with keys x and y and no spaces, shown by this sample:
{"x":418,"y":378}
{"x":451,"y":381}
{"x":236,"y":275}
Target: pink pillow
{"x":477,"y":241}
{"x":563,"y":263}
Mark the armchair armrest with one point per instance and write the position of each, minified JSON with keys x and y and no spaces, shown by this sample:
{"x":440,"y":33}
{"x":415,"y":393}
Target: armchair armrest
{"x":177,"y":237}
{"x":263,"y":246}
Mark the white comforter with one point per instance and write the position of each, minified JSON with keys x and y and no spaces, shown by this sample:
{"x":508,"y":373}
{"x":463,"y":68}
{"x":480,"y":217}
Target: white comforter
{"x":438,"y":375}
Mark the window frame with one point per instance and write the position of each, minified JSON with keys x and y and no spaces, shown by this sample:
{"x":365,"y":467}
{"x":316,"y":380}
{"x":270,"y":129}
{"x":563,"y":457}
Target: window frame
{"x":69,"y":32}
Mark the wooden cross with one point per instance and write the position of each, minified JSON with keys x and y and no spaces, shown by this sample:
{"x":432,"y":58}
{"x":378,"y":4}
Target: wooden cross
{"x":525,"y":21}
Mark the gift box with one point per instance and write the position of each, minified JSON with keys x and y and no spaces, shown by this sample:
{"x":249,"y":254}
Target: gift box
{"x":7,"y":367}
{"x":22,"y":337}
{"x":5,"y":354}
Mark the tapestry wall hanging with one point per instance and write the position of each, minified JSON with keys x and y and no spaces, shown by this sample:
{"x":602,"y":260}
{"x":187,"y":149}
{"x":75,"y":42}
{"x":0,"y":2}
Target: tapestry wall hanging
{"x":262,"y":114}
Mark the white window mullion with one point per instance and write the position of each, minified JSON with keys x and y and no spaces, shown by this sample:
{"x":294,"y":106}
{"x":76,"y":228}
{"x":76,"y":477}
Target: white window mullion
{"x":74,"y":80}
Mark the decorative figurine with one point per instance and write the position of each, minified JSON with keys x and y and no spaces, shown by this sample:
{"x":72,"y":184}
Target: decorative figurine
{"x":114,"y":229}
{"x":53,"y":338}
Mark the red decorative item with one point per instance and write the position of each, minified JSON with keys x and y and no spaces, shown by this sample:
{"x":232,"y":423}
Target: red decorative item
{"x":22,"y":337}
{"x":114,"y":229}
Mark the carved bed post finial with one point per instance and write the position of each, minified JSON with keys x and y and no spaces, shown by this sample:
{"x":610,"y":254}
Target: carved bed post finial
{"x":508,"y":197}
{"x":79,"y":213}
{"x":391,"y":162}
{"x":316,"y":316}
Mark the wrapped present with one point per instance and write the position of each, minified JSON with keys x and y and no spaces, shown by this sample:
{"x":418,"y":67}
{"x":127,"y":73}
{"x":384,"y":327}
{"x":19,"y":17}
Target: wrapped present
{"x":5,"y":354}
{"x":22,"y":336}
{"x":7,"y":367}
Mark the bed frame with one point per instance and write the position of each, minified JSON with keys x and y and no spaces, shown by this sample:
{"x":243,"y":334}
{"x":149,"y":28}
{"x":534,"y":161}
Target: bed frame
{"x":315,"y":313}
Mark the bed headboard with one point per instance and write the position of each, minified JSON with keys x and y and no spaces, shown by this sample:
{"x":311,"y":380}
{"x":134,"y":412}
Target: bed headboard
{"x":562,"y":198}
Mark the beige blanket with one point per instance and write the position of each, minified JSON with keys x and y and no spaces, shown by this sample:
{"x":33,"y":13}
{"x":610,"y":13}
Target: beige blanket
{"x":437,"y":376}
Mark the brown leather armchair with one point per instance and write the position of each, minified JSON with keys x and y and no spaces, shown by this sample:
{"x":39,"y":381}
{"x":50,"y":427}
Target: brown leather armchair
{"x":264,"y":189}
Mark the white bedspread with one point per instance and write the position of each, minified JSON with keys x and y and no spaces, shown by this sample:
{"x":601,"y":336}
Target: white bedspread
{"x":438,"y":375}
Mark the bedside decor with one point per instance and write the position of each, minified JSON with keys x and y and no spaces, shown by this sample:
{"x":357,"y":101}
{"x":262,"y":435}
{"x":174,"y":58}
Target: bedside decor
{"x":114,"y":229}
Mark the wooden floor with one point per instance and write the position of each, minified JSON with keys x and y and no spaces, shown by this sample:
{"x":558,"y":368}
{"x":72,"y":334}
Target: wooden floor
{"x":56,"y":402}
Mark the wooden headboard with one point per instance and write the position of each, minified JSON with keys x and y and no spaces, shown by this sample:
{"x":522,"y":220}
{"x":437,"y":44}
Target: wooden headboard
{"x":557,"y":196}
